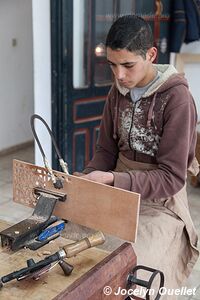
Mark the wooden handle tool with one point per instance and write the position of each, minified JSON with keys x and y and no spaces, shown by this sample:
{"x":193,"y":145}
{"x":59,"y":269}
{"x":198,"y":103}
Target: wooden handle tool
{"x":95,"y":239}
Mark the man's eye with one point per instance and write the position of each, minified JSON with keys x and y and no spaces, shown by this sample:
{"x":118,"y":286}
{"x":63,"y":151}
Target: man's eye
{"x":129,"y":66}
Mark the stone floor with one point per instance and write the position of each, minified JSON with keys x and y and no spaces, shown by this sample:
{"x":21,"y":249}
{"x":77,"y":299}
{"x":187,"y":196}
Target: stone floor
{"x":13,"y":212}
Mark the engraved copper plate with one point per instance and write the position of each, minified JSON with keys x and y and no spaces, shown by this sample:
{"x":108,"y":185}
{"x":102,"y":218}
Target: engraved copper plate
{"x":25,"y":178}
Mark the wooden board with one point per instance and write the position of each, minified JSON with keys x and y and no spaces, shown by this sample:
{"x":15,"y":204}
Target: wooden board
{"x":94,"y":205}
{"x":93,"y":270}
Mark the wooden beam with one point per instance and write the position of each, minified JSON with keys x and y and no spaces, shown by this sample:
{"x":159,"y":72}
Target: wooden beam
{"x":112,"y":271}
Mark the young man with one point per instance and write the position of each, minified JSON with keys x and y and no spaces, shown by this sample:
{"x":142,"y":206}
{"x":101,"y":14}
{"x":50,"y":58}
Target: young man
{"x":146,"y":144}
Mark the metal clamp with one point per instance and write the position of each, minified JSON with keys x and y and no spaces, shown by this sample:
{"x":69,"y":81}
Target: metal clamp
{"x":133,"y":280}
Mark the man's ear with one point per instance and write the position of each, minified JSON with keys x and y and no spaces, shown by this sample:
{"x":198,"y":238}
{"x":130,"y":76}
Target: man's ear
{"x":151,"y":54}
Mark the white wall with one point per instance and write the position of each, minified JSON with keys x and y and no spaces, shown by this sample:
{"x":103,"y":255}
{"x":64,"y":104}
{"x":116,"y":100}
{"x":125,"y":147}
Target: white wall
{"x":42,"y":74}
{"x":192,"y":72}
{"x":191,"y":47}
{"x":16,"y":72}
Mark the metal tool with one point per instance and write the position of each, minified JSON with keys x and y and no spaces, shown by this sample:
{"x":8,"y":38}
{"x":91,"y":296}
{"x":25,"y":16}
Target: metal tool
{"x":35,"y":269}
{"x":51,"y":230}
{"x":57,"y":182}
{"x":24,"y":233}
{"x":133,"y":280}
{"x":48,"y":234}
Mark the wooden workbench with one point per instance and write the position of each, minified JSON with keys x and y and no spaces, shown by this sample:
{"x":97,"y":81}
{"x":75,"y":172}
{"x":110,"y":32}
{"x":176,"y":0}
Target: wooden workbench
{"x":93,"y":269}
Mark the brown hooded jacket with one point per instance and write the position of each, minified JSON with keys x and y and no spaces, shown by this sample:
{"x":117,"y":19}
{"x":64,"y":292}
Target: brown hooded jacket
{"x":160,"y":128}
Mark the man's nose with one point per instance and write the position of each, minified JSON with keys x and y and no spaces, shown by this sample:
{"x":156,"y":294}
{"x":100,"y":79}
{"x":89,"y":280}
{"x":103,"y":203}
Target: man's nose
{"x":120,"y":73}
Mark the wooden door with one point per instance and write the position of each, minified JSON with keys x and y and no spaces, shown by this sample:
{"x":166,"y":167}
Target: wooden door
{"x":81,"y":78}
{"x":157,"y":13}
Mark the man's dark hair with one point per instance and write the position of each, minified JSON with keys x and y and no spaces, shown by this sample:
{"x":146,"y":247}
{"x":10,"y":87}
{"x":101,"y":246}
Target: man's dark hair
{"x":132,"y":33}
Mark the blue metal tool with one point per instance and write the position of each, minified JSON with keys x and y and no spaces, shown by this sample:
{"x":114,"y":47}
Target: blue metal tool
{"x":51,"y":230}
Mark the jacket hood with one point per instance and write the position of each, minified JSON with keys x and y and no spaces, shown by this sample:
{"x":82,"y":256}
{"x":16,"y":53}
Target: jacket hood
{"x":169,"y":77}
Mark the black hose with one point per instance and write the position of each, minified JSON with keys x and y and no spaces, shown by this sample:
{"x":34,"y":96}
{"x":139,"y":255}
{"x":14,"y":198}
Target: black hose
{"x":35,"y":116}
{"x":57,"y":182}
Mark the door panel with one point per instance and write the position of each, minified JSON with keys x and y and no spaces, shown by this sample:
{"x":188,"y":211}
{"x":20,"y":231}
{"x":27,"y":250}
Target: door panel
{"x":87,"y":114}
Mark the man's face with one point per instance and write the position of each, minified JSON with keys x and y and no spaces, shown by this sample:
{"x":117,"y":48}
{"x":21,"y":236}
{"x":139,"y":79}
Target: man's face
{"x":130,"y":70}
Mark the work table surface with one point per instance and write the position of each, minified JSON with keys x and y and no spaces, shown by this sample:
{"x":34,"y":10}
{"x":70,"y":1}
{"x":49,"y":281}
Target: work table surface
{"x":53,"y":282}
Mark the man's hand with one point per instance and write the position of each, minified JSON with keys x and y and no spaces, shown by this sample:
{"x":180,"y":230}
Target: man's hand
{"x":101,"y":177}
{"x":78,"y":174}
